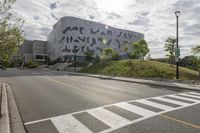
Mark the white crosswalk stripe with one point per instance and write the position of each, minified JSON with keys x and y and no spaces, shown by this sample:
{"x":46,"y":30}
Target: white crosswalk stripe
{"x":191,"y":96}
{"x":108,"y":117}
{"x":194,"y":93}
{"x":171,"y":101}
{"x":184,"y":98}
{"x":69,"y":124}
{"x":135,"y":109}
{"x":157,"y":105}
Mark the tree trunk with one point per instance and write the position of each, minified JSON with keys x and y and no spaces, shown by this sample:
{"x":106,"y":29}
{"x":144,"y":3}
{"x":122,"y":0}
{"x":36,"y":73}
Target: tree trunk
{"x":171,"y":62}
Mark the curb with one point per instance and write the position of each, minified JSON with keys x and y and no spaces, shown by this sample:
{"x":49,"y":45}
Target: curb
{"x":140,"y":81}
{"x":4,"y":120}
{"x":16,"y":122}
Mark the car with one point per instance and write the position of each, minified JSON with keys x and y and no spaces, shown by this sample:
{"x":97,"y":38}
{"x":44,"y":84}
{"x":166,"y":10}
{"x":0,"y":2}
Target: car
{"x":2,"y":67}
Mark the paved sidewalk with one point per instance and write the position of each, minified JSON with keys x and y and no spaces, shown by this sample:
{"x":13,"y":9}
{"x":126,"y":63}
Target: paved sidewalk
{"x":141,"y":81}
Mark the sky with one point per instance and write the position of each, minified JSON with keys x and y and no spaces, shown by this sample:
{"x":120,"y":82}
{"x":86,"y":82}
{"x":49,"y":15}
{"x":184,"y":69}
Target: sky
{"x":154,"y":18}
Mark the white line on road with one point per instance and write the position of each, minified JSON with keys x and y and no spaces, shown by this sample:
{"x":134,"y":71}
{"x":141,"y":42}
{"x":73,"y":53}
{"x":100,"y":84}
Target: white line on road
{"x":184,"y":98}
{"x":171,"y":101}
{"x":109,"y":118}
{"x":114,"y":120}
{"x":190,"y":95}
{"x":136,"y":109}
{"x":69,"y":124}
{"x":194,"y":93}
{"x":157,"y":105}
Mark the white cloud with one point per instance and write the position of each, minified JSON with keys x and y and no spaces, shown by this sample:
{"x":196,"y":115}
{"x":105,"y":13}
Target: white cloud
{"x":154,"y":18}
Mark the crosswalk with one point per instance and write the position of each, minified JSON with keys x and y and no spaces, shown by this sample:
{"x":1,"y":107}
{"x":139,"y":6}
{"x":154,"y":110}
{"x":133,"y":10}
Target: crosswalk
{"x":117,"y":115}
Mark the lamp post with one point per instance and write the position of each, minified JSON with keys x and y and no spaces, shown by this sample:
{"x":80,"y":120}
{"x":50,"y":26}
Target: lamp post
{"x":75,"y":63}
{"x":177,"y":51}
{"x":75,"y":59}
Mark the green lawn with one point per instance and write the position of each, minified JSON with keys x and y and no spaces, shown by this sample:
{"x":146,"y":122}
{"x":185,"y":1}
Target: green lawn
{"x":136,"y":68}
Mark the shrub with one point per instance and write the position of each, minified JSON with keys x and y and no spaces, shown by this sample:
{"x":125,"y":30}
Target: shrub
{"x":32,"y":64}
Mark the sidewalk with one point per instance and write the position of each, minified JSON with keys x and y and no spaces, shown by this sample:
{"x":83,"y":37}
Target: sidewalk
{"x":141,"y":81}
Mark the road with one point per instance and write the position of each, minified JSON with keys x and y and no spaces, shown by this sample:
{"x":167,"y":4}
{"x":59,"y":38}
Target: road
{"x":50,"y":102}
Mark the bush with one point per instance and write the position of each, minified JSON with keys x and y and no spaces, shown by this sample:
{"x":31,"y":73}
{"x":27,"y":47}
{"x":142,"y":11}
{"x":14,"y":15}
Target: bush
{"x":32,"y":64}
{"x":137,"y":68}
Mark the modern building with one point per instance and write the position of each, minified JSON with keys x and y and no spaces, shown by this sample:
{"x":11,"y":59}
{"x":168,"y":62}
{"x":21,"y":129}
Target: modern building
{"x":32,"y":50}
{"x":72,"y":37}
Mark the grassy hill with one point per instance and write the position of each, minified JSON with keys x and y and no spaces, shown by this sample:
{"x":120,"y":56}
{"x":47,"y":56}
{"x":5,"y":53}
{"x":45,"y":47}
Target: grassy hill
{"x":136,"y":68}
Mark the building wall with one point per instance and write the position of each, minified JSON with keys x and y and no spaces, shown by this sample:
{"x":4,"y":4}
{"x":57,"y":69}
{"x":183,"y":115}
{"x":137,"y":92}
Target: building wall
{"x":31,"y":50}
{"x":40,"y":51}
{"x":73,"y":34}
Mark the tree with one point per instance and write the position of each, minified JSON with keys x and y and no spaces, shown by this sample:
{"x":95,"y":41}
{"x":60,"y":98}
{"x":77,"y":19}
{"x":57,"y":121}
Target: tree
{"x":6,"y":5}
{"x":125,"y":49}
{"x":170,"y":48}
{"x":109,"y":53}
{"x":11,"y":35}
{"x":196,"y":51}
{"x":89,"y":56}
{"x":140,"y":49}
{"x":190,"y":62}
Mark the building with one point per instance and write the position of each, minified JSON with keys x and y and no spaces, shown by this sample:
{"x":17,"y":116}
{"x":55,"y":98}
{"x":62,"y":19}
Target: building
{"x":72,"y":37}
{"x":32,"y":50}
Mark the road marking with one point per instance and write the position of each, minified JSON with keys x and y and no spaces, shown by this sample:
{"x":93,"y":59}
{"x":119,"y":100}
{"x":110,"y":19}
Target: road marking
{"x":171,"y":101}
{"x":180,"y":121}
{"x":112,"y":119}
{"x":135,"y":109}
{"x":194,"y":93}
{"x":190,"y":95}
{"x":157,"y":105}
{"x":64,"y":84}
{"x":184,"y":98}
{"x":69,"y":124}
{"x":109,"y":118}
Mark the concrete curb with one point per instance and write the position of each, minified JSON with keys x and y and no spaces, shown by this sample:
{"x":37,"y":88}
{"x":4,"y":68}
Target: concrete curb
{"x":16,"y":122}
{"x":140,"y":81}
{"x":4,"y":120}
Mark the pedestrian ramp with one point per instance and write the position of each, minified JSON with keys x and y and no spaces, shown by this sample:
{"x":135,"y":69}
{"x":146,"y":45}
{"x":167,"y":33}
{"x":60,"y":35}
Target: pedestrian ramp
{"x":111,"y":117}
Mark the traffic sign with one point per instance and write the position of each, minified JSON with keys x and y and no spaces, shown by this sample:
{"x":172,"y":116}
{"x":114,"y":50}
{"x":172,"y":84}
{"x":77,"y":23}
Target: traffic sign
{"x":177,"y":52}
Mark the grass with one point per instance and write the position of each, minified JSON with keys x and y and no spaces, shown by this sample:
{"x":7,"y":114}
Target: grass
{"x":140,"y":69}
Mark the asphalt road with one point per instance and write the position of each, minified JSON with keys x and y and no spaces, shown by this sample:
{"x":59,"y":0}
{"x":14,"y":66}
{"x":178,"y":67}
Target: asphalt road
{"x":44,"y":97}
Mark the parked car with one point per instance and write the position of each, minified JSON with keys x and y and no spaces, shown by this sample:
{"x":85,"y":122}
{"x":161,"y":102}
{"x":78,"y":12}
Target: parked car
{"x":2,"y":67}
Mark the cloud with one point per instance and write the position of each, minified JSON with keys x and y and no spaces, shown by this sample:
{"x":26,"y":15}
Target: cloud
{"x":52,"y":6}
{"x":154,"y":18}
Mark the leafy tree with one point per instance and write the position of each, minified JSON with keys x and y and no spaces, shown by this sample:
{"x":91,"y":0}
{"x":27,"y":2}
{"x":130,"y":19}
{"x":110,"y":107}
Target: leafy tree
{"x":89,"y":56}
{"x":190,"y":62}
{"x":11,"y":35}
{"x":109,"y":53}
{"x":140,"y":49}
{"x":149,"y":57}
{"x":115,"y":55}
{"x":125,"y":49}
{"x":196,"y":51}
{"x":5,"y":5}
{"x":170,"y":48}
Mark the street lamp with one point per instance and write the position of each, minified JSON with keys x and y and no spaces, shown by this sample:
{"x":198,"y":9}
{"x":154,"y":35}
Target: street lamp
{"x":75,"y":58}
{"x":177,"y":50}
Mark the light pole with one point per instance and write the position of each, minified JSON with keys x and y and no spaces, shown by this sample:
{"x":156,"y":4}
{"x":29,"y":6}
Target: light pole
{"x":75,"y":59}
{"x":177,"y":51}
